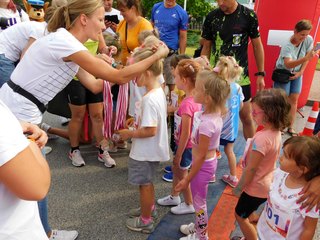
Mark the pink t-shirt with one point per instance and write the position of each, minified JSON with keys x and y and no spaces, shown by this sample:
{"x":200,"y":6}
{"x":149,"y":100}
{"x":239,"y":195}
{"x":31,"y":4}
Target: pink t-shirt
{"x":209,"y":125}
{"x":187,"y":107}
{"x":268,"y":143}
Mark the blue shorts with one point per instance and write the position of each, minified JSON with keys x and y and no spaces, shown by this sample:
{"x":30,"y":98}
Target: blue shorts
{"x":291,"y":87}
{"x":224,"y":142}
{"x":6,"y":68}
{"x":186,"y":158}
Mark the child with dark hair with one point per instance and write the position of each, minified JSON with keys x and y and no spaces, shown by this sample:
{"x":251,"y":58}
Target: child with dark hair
{"x":270,"y":108}
{"x":283,"y":217}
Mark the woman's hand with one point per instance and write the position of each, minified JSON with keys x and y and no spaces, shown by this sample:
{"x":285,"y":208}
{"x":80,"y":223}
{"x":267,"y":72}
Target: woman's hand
{"x":161,"y":50}
{"x":183,"y":184}
{"x":295,"y":76}
{"x":310,"y":194}
{"x":35,"y":133}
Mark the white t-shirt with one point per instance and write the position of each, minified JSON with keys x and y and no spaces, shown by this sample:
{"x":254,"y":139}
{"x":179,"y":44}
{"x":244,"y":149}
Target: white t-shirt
{"x":13,"y":17}
{"x":136,"y":94}
{"x":282,"y":218}
{"x":14,"y":39}
{"x":151,"y":112}
{"x":43,"y":73}
{"x":19,"y":219}
{"x":113,"y":12}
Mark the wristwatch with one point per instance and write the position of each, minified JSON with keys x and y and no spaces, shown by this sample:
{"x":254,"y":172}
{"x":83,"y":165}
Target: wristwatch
{"x":263,"y":74}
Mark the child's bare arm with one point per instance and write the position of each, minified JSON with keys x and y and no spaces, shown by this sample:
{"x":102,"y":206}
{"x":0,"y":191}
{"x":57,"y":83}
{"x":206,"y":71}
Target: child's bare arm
{"x":253,"y":162}
{"x":138,"y":133}
{"x":309,"y":228}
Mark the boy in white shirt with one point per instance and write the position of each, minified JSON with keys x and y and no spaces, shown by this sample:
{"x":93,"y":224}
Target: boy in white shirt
{"x":149,"y":140}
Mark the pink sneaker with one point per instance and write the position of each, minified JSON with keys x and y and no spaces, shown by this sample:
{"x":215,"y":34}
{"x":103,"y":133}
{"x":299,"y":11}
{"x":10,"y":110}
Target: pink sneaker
{"x":227,"y":179}
{"x":218,"y":154}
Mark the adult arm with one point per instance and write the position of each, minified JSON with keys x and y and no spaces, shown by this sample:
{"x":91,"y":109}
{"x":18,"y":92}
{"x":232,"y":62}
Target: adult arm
{"x":249,"y":172}
{"x":103,"y":70}
{"x":310,"y":194}
{"x":27,"y":175}
{"x":206,"y":48}
{"x":258,"y":52}
{"x":182,"y":41}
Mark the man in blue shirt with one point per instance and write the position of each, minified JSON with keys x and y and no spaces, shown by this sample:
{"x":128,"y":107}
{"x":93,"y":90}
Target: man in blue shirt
{"x":171,"y":20}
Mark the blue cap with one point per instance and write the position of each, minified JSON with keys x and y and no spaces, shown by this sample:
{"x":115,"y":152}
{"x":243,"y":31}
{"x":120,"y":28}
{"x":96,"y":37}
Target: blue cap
{"x":36,"y":2}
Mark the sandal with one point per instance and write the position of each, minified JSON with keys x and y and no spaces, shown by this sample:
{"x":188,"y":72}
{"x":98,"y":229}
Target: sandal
{"x":292,"y":132}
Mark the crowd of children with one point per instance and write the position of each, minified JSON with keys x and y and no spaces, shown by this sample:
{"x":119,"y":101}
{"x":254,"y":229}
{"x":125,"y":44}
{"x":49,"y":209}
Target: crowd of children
{"x":204,"y":109}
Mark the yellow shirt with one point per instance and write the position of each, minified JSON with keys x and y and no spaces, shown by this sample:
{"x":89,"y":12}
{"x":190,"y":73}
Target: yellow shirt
{"x":132,"y":37}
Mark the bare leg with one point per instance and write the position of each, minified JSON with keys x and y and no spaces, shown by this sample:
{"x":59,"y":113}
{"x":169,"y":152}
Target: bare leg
{"x":293,"y":100}
{"x":228,"y":149}
{"x":75,"y":124}
{"x":247,"y":228}
{"x":178,"y":175}
{"x":59,"y":132}
{"x":146,"y":199}
{"x":96,"y":117}
{"x":247,"y":121}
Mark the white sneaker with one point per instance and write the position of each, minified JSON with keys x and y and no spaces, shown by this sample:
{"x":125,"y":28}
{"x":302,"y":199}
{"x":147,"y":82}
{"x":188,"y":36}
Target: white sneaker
{"x":188,"y":229}
{"x":106,"y":159}
{"x":182,"y":208}
{"x":169,"y":201}
{"x":190,"y":237}
{"x":63,"y":235}
{"x":76,"y":158}
{"x":47,"y":150}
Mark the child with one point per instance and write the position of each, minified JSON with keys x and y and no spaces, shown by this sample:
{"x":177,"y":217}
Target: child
{"x":149,"y":139}
{"x":283,"y":218}
{"x":228,"y":69}
{"x":185,"y":77}
{"x":270,"y":108}
{"x":212,"y":92}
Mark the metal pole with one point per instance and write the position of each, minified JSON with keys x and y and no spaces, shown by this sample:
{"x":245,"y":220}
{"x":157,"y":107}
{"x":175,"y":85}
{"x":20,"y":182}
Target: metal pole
{"x":185,"y":5}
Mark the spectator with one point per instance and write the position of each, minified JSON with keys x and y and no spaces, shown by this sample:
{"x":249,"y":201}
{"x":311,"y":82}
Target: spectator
{"x":227,"y":30}
{"x":110,"y":11}
{"x":171,"y":21}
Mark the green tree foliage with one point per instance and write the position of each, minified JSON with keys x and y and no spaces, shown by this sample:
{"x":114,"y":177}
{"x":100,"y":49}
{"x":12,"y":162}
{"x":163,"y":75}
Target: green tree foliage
{"x":196,"y":8}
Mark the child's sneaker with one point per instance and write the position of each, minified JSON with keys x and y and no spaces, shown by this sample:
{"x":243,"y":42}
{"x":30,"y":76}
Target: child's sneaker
{"x":168,"y":177}
{"x":63,"y":234}
{"x":188,"y":229}
{"x":228,"y":179}
{"x":182,"y":208}
{"x":192,"y":236}
{"x":106,"y":159}
{"x":212,"y":179}
{"x":169,"y":201}
{"x":136,"y":212}
{"x":136,"y":224}
{"x":218,"y":154}
{"x":167,"y":169}
{"x":76,"y":158}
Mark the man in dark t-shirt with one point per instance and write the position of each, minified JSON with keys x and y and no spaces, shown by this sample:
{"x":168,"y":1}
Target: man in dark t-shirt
{"x":226,"y":31}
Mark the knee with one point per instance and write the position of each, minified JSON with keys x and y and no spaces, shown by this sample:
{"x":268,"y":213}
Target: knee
{"x":96,"y":117}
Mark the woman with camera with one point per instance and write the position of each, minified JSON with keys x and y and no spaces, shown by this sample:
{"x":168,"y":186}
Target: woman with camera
{"x":294,"y":57}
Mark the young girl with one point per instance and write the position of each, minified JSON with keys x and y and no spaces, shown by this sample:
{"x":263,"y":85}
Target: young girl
{"x":270,"y":108}
{"x":283,"y":218}
{"x":212,"y":92}
{"x":185,"y":77}
{"x":149,"y":139}
{"x":228,"y":69}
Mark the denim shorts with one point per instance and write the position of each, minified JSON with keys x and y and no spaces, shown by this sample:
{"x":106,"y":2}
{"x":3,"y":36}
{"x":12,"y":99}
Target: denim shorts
{"x":186,"y":158}
{"x":291,"y":87}
{"x":141,"y":172}
{"x":6,"y":68}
